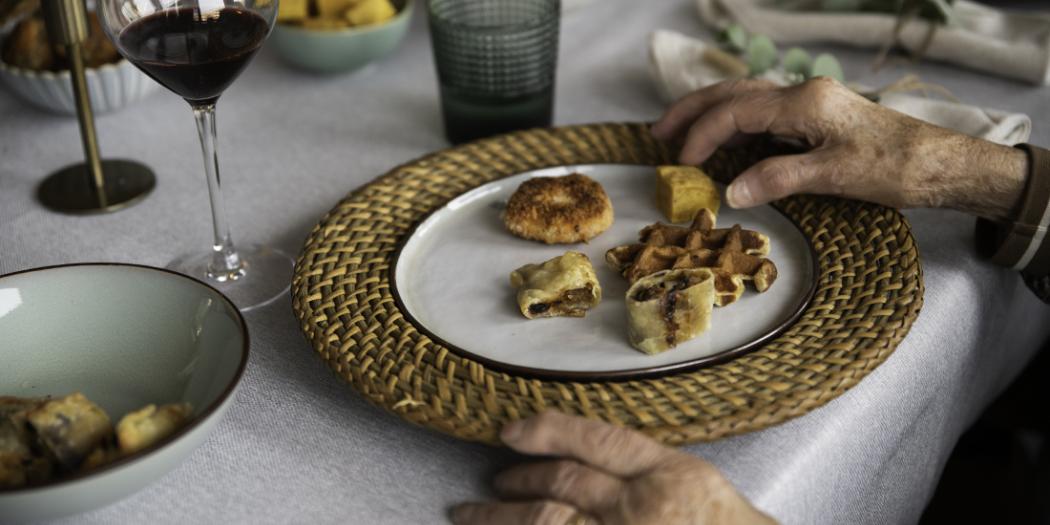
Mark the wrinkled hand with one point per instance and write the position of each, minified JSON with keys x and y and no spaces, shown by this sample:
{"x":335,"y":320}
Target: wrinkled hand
{"x":859,"y":149}
{"x":604,"y":474}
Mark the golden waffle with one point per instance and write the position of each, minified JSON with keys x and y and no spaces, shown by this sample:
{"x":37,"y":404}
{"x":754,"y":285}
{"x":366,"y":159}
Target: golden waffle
{"x":734,"y":255}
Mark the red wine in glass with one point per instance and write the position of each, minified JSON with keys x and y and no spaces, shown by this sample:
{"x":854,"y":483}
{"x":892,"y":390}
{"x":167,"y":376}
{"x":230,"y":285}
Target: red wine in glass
{"x":197,"y":49}
{"x":196,"y":56}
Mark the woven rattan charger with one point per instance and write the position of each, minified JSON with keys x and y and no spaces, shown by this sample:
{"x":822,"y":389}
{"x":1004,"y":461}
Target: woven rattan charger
{"x":869,"y":291}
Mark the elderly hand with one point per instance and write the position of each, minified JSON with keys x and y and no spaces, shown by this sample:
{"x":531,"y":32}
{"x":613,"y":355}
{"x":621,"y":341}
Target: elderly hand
{"x":600,"y":473}
{"x":859,"y":149}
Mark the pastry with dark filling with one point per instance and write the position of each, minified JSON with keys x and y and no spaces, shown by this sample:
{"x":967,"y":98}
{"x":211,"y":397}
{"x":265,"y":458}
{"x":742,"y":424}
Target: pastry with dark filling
{"x":70,"y":428}
{"x":563,"y":286}
{"x":18,"y":464}
{"x":669,"y":307}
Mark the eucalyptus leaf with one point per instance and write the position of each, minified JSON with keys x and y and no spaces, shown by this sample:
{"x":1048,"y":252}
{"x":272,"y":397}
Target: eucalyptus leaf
{"x":735,"y":37}
{"x":826,"y":65}
{"x":797,"y":60}
{"x":761,"y":54}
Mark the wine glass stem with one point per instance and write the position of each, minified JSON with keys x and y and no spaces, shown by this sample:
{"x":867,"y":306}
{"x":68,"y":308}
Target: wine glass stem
{"x":225,"y":264}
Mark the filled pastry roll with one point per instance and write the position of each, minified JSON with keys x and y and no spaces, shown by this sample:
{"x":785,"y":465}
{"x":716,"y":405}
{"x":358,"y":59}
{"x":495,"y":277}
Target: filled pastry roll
{"x":563,"y":286}
{"x":669,"y":307}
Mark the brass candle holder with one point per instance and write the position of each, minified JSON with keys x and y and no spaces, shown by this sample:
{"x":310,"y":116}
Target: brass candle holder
{"x":94,"y":186}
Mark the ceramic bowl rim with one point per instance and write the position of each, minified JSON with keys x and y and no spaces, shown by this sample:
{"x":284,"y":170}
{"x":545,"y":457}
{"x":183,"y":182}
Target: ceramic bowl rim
{"x":192,"y":425}
{"x":350,"y":31}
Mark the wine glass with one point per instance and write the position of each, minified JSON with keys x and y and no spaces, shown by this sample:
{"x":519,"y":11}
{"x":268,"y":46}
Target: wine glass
{"x":196,"y":48}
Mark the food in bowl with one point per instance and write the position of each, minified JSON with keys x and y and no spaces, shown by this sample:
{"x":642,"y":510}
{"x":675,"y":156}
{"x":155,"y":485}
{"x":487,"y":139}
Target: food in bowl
{"x":43,"y":439}
{"x":38,"y":72}
{"x":28,"y":47}
{"x":11,"y":11}
{"x":334,"y":14}
{"x":308,"y":39}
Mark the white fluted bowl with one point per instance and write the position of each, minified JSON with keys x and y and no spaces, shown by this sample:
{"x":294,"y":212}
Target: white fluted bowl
{"x":112,"y":86}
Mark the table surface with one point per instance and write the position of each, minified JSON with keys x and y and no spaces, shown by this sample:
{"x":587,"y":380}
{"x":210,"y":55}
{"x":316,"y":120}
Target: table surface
{"x":299,"y":445}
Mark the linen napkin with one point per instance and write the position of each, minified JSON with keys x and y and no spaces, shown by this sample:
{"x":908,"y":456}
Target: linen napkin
{"x":678,"y":66}
{"x":979,"y":37}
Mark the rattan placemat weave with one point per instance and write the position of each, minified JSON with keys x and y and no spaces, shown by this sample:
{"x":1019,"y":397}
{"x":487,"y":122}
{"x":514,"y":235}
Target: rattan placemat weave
{"x":869,"y":292}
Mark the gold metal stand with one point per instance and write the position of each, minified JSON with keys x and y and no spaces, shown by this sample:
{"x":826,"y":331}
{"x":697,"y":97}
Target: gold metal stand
{"x":95,"y":186}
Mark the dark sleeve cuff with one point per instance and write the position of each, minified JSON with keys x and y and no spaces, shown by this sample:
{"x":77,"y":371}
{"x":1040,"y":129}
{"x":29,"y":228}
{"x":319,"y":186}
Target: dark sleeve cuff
{"x":1023,"y":244}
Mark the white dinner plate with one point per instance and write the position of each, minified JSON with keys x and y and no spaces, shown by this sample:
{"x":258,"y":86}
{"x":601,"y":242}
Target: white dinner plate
{"x":451,"y":277}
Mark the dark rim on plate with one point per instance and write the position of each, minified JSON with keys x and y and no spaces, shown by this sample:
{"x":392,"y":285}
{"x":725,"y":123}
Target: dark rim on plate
{"x":191,"y":425}
{"x":633,"y":373}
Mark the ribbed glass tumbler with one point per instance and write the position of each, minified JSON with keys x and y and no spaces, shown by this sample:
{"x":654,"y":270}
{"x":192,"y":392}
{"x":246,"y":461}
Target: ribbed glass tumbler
{"x":495,"y":61}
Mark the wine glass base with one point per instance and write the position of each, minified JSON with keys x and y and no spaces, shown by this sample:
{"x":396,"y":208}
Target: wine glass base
{"x":72,"y":190}
{"x":266,"y":275}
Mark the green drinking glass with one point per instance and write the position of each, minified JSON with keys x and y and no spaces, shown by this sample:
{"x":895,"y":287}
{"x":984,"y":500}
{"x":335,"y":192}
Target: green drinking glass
{"x":495,"y":61}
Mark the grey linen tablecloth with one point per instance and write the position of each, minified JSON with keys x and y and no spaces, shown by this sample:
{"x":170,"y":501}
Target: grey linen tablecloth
{"x":300,"y":446}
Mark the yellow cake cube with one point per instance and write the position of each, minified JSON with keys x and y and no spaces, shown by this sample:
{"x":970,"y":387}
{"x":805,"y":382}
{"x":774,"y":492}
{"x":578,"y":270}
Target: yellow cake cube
{"x":367,"y":12}
{"x":292,"y":11}
{"x":682,"y":191}
{"x":333,"y":9}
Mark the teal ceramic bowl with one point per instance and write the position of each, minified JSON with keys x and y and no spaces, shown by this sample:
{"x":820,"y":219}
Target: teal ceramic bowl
{"x":341,"y":50}
{"x":125,"y":336}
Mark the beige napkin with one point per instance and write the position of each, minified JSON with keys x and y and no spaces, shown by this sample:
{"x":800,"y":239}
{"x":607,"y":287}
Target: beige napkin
{"x":678,"y":67}
{"x":980,"y":37}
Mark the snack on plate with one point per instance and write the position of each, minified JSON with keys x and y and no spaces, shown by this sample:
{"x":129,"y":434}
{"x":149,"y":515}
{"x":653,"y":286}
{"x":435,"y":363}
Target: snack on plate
{"x":563,"y":286}
{"x":148,"y":425}
{"x":334,"y":14}
{"x":669,"y":307}
{"x":682,"y":191}
{"x":734,"y":255}
{"x":556,"y":210}
{"x":46,"y":438}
